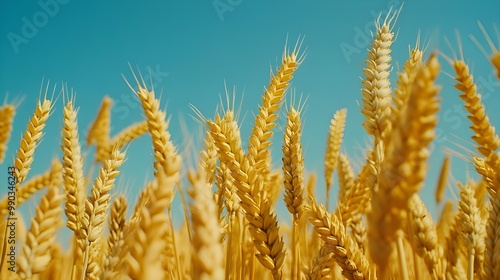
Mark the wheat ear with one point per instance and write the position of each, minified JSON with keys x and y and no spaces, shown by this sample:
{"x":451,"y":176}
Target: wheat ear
{"x":263,"y":223}
{"x":208,"y":251}
{"x":425,"y":241}
{"x":322,"y":265}
{"x":484,"y":132}
{"x":376,"y":90}
{"x":99,"y":131}
{"x":443,"y":178}
{"x":115,"y":259}
{"x":446,"y":218}
{"x":293,"y":164}
{"x":31,"y":137}
{"x":35,"y":253}
{"x":73,"y":169}
{"x":148,"y":238}
{"x":492,"y":254}
{"x":293,"y":179}
{"x":7,"y":113}
{"x":157,"y":126}
{"x":333,"y":142}
{"x":404,"y":82}
{"x":259,"y":154}
{"x":208,"y":158}
{"x":26,"y":151}
{"x":346,"y":253}
{"x":404,"y":167}
{"x":471,"y":230}
{"x":96,"y":206}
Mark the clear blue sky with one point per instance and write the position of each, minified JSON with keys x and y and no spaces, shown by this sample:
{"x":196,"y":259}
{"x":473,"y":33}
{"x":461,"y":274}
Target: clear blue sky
{"x":194,"y":47}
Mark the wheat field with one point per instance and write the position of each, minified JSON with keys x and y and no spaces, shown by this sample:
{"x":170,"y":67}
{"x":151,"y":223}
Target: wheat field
{"x":379,"y":228}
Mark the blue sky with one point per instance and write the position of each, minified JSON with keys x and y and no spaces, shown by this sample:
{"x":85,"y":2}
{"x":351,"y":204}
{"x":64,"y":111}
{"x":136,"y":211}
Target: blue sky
{"x":194,"y":48}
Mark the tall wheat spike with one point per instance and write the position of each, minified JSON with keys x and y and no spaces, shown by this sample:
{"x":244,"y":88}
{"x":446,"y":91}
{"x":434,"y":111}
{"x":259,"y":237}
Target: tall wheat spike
{"x":404,"y":168}
{"x":333,"y":143}
{"x":259,"y":154}
{"x":96,"y":206}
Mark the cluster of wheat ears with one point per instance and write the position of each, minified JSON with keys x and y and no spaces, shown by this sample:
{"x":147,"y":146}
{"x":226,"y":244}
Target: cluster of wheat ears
{"x":380,"y":227}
